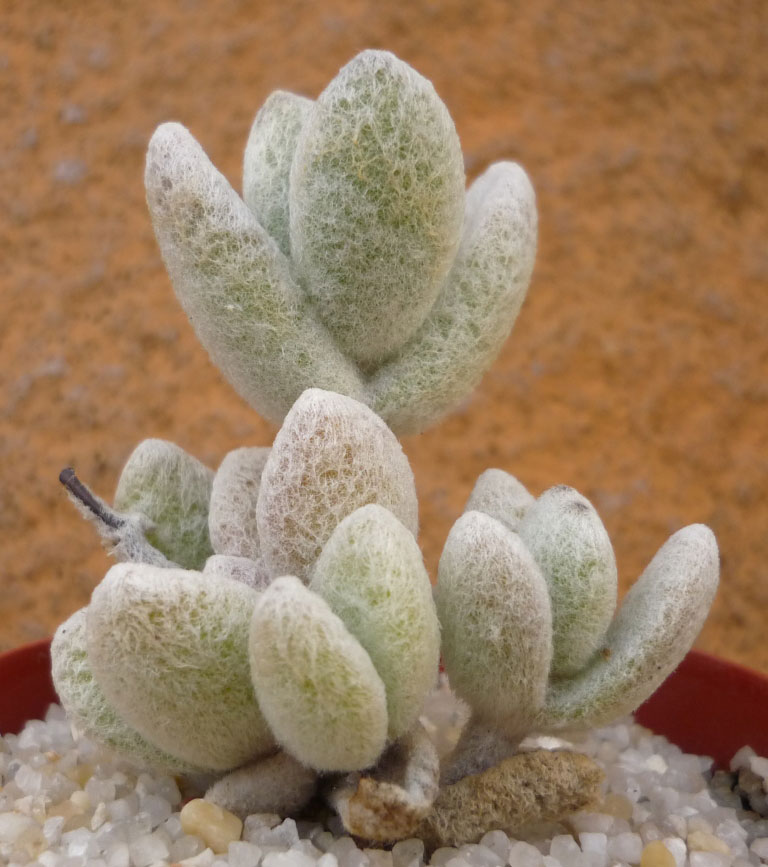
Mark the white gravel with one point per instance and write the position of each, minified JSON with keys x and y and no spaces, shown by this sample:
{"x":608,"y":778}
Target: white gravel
{"x":65,"y":802}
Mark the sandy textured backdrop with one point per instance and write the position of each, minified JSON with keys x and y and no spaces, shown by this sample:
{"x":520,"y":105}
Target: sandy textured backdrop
{"x":638,"y":368}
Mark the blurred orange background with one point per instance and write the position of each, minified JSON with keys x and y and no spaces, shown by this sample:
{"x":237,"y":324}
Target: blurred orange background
{"x":637,"y":372}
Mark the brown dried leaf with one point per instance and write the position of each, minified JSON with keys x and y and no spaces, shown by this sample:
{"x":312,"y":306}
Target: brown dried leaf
{"x":539,"y":786}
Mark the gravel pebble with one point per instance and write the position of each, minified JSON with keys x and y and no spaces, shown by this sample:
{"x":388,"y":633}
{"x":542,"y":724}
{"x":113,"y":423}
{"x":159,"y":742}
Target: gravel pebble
{"x":64,"y":802}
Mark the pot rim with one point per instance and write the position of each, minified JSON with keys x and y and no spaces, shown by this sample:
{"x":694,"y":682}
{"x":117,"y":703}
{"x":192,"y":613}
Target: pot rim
{"x":694,"y":708}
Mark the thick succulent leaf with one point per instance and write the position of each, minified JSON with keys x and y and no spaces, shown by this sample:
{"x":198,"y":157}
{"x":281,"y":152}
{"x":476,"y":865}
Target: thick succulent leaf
{"x":232,"y":513}
{"x":332,"y":456}
{"x":524,"y":790}
{"x":267,"y":163}
{"x":372,"y":575}
{"x":235,"y":284}
{"x":475,"y":311}
{"x":87,"y":706}
{"x":376,"y":203}
{"x":173,"y":489}
{"x":315,"y":683}
{"x":170,"y":650}
{"x":569,"y":542}
{"x":251,"y":572}
{"x":494,"y":611}
{"x":389,"y":803}
{"x":277,"y":784}
{"x":500,"y":495}
{"x":654,"y":628}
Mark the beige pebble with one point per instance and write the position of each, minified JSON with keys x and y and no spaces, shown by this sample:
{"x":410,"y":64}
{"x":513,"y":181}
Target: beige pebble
{"x":618,"y":806}
{"x":656,"y":854}
{"x":701,"y":841}
{"x":216,"y":827}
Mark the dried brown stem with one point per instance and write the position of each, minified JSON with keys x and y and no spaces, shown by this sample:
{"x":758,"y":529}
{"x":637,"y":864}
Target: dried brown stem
{"x":83,"y":493}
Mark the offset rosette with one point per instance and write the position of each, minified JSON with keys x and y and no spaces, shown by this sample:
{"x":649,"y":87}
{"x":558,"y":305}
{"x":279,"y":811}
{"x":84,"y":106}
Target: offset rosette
{"x":306,"y":643}
{"x":354,"y":262}
{"x":526,"y":598}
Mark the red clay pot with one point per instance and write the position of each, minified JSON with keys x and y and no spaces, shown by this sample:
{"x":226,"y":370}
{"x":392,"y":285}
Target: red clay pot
{"x":708,"y":706}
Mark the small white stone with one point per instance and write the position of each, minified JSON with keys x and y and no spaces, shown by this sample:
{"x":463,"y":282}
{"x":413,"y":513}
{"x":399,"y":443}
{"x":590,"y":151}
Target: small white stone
{"x":478,"y":856}
{"x":52,"y":830}
{"x":76,"y":842}
{"x":348,"y":854}
{"x":523,"y":854}
{"x":284,"y":835}
{"x":406,"y":852}
{"x":677,"y":848}
{"x":185,"y":846}
{"x":147,"y":850}
{"x":599,"y":823}
{"x":172,"y":827}
{"x":157,"y":807}
{"x":626,"y":847}
{"x":328,"y":860}
{"x":742,"y":758}
{"x":650,"y":831}
{"x":656,"y":764}
{"x":457,"y":862}
{"x":498,"y":842}
{"x":118,"y":855}
{"x":258,"y":822}
{"x":293,"y":858}
{"x":698,"y":823}
{"x":595,"y":848}
{"x":376,"y":857}
{"x":759,"y":847}
{"x":708,"y":859}
{"x":243,"y":854}
{"x":323,"y":840}
{"x":203,"y":859}
{"x":123,"y":808}
{"x":440,"y":857}
{"x":759,"y":765}
{"x":99,"y":816}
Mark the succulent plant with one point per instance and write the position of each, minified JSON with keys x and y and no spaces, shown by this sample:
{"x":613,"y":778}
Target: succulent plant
{"x":271,"y":626}
{"x":530,"y":640}
{"x":355,"y":262}
{"x":311,"y":629}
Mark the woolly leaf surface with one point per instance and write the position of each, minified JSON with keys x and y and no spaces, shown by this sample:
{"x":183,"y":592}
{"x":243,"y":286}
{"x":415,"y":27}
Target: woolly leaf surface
{"x":87,"y":706}
{"x":251,"y":572}
{"x":235,"y":491}
{"x":235,"y":284}
{"x":275,"y":784}
{"x":475,"y":311}
{"x":170,"y":650}
{"x":571,"y":546}
{"x":500,"y":495}
{"x":267,"y":162}
{"x":654,"y":628}
{"x":332,"y":456}
{"x":173,"y":489}
{"x":376,"y":203}
{"x":372,"y":575}
{"x":496,"y":621}
{"x":315,"y":683}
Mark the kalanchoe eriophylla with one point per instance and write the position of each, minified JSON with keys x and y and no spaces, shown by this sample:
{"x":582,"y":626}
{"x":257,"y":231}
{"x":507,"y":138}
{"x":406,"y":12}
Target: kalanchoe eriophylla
{"x":310,"y":629}
{"x":272,"y":623}
{"x":526,"y":604}
{"x":355,"y":261}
